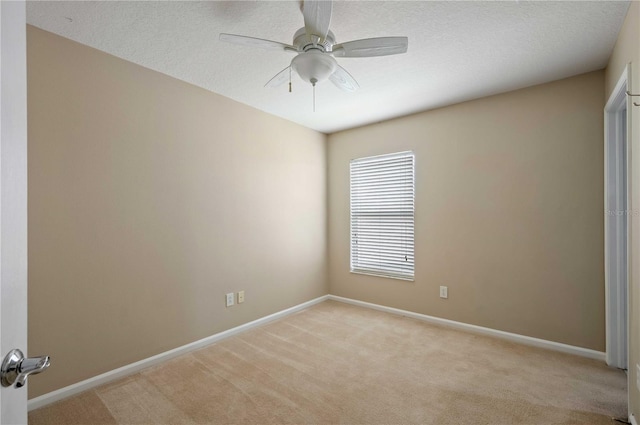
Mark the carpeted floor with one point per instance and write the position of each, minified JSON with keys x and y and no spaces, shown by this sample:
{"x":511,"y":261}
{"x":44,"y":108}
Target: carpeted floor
{"x":339,"y":364}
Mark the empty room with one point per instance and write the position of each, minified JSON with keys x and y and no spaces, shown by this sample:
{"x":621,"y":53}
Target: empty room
{"x":319,"y":212}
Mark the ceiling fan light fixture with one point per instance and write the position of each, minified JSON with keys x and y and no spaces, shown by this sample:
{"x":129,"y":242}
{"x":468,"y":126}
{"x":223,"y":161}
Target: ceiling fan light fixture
{"x":316,"y":48}
{"x":314,"y":66}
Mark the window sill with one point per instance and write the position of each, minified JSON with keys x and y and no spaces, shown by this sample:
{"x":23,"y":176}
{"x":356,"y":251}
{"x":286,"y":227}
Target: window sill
{"x":388,"y":276}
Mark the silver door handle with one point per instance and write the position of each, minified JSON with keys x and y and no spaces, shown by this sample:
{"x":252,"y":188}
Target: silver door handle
{"x":16,"y":368}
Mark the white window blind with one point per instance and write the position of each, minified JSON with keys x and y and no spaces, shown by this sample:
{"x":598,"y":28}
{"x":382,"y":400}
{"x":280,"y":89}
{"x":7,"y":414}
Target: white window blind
{"x":382,"y":215}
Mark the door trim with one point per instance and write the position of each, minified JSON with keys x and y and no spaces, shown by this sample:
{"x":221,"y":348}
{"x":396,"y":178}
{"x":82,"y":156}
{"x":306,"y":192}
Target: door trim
{"x":616,"y":149}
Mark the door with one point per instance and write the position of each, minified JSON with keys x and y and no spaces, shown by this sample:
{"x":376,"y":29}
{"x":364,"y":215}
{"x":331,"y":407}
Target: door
{"x":13,"y":199}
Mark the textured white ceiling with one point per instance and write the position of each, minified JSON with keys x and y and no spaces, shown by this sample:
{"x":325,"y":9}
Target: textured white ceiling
{"x":457,"y":50}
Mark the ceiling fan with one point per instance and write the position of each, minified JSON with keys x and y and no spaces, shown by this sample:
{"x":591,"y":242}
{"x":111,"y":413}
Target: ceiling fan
{"x":317,"y":49}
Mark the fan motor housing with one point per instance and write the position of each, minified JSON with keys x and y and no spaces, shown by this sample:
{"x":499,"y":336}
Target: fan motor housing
{"x":304,"y":43}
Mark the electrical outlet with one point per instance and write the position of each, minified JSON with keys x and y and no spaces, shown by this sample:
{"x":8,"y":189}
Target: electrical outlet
{"x":444,"y":292}
{"x":230,"y":298}
{"x":638,"y":376}
{"x":240,"y":297}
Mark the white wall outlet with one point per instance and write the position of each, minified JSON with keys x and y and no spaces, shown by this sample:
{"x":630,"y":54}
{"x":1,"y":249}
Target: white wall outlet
{"x":444,"y":292}
{"x":638,"y":376}
{"x":230,"y":298}
{"x":240,"y":297}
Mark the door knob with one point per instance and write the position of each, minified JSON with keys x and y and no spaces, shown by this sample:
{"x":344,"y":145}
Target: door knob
{"x":15,"y":368}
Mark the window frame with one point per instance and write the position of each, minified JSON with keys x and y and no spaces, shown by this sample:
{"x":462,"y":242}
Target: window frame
{"x":394,"y":268}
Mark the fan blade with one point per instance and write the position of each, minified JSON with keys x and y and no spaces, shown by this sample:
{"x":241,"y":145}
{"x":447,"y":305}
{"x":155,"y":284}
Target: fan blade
{"x":280,"y":78}
{"x":368,"y":47}
{"x":317,"y":17}
{"x":343,"y":80}
{"x":243,"y":40}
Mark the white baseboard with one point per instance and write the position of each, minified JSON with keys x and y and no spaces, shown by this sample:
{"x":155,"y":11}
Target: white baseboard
{"x":104,"y":378}
{"x":632,"y":420}
{"x":129,"y":369}
{"x":536,"y":342}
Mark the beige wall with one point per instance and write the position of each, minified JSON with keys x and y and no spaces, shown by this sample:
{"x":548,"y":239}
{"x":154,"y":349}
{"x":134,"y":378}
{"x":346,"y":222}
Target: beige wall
{"x":509,"y":211}
{"x":149,"y":199}
{"x":627,"y":50}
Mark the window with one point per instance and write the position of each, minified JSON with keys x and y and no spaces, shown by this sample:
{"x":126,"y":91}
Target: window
{"x":382,"y":214}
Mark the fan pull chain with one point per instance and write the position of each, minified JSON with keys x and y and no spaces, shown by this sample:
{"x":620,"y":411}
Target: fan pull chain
{"x":289,"y":79}
{"x":313,"y":83}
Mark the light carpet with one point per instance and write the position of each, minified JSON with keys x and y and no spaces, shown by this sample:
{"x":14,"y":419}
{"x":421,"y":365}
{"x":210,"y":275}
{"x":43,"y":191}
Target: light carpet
{"x":335,"y":363}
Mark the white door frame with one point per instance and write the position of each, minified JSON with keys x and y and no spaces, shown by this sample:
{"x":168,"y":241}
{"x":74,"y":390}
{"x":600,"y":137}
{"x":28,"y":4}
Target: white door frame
{"x":13,"y":198}
{"x":617,"y":212}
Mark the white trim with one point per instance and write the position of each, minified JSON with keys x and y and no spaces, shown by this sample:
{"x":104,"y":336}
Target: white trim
{"x":632,"y":419}
{"x":388,"y":276}
{"x":527,"y":340}
{"x":123,"y":371}
{"x":129,"y":369}
{"x":616,"y":206}
{"x":619,"y":91}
